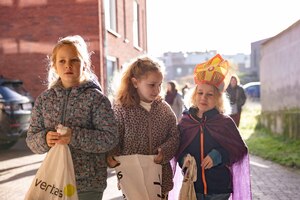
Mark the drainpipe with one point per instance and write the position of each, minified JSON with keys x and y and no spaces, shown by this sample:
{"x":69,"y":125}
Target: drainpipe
{"x":102,"y":46}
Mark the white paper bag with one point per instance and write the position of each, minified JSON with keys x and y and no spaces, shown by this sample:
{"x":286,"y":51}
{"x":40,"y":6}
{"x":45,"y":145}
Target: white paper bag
{"x":55,"y":179}
{"x":139,"y":177}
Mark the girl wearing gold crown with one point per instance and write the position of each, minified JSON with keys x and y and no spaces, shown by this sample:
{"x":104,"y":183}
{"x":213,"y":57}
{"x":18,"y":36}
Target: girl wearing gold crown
{"x":213,"y":139}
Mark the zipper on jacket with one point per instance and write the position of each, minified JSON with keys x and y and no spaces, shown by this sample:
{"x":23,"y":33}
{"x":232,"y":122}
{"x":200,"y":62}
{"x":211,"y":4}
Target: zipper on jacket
{"x":202,"y":157}
{"x":201,"y":153}
{"x":66,"y":99}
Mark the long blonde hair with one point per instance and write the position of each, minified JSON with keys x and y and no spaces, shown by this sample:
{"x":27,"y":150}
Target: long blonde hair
{"x":126,"y":94}
{"x":80,"y":45}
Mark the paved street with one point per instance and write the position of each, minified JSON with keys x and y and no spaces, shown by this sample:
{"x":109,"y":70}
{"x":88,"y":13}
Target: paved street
{"x":18,"y":167}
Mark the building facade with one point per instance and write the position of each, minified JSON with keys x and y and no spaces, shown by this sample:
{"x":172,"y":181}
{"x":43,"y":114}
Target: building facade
{"x":115,"y":31}
{"x":280,"y":85}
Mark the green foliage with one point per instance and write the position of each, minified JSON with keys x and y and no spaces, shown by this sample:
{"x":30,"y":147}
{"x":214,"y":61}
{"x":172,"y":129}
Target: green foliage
{"x":263,"y":143}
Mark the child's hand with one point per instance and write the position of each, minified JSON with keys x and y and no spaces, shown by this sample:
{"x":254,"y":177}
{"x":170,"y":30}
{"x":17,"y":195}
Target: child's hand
{"x":65,"y":134}
{"x":207,"y":162}
{"x":159,"y":157}
{"x":52,"y":138}
{"x":111,"y":162}
{"x":185,"y":167}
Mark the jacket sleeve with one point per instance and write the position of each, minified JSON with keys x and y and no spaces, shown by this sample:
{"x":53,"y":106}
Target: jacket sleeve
{"x":120,"y":123}
{"x":224,"y":155}
{"x":36,"y":134}
{"x":104,"y":136}
{"x":242,"y":97}
{"x":171,"y":144}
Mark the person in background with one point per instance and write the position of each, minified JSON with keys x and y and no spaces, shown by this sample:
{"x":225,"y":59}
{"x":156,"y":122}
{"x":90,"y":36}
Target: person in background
{"x":237,"y":98}
{"x":75,"y":100}
{"x":185,"y":89}
{"x":147,"y":124}
{"x":213,"y":139}
{"x":174,"y":99}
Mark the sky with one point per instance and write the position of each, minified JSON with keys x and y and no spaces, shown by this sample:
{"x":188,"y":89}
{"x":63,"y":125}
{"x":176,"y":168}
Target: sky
{"x":228,"y":26}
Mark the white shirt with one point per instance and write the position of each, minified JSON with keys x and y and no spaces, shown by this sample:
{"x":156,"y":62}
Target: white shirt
{"x":146,"y":105}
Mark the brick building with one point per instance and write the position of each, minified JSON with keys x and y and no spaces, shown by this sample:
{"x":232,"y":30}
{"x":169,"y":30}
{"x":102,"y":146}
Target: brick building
{"x":114,"y":29}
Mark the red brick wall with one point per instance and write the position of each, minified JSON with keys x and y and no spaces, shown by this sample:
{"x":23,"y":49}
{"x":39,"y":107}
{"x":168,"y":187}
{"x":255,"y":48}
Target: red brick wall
{"x":29,"y":29}
{"x":121,"y":46}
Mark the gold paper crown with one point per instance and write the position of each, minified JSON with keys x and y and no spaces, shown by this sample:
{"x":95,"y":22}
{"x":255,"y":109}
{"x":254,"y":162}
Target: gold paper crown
{"x":213,"y":72}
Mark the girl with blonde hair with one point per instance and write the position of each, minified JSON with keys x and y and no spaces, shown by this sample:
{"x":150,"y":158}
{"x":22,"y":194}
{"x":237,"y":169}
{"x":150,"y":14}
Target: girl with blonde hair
{"x":74,"y":99}
{"x":147,"y":124}
{"x":213,"y":139}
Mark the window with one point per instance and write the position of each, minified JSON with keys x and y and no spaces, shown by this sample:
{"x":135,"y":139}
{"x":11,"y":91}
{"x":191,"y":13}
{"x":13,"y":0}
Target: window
{"x":111,"y":15}
{"x":111,"y":63}
{"x":136,"y":35}
{"x":111,"y":68}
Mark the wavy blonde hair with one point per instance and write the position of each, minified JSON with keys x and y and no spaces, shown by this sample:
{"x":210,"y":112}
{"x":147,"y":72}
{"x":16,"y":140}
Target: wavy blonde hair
{"x":126,"y":94}
{"x":222,"y":102}
{"x":80,"y":45}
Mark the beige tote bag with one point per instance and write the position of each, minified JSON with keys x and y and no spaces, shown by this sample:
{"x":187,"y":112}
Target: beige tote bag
{"x":55,"y":179}
{"x":187,"y":191}
{"x":139,"y":177}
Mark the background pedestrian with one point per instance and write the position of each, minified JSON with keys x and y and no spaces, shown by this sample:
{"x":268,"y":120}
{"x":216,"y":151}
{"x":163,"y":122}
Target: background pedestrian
{"x":174,"y":99}
{"x":237,"y":98}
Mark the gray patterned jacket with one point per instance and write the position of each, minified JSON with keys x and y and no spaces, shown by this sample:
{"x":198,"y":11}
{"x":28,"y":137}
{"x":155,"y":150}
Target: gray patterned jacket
{"x":88,"y":113}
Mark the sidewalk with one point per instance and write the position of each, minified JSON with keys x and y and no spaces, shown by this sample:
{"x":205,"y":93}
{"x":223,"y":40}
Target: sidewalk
{"x":18,"y":167}
{"x":271,"y":181}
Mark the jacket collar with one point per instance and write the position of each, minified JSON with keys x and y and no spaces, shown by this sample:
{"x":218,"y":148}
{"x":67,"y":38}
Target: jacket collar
{"x":76,"y":91}
{"x":208,"y":114}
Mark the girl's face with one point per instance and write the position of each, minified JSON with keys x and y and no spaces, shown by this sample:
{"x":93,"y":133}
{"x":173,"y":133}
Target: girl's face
{"x":68,"y":66}
{"x":233,"y":82}
{"x":149,"y":86}
{"x":205,"y":98}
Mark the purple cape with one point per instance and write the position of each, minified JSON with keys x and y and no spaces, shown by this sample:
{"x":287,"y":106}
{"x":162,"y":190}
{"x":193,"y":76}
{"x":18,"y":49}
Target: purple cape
{"x":225,"y":132}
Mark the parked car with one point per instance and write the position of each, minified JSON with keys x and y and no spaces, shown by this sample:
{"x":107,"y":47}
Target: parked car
{"x":252,"y":90}
{"x":15,"y":111}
